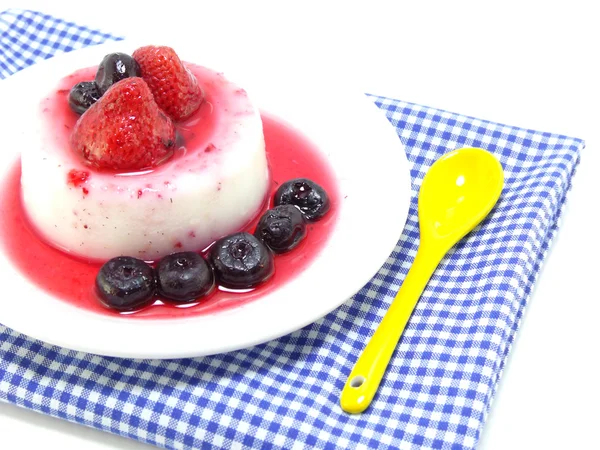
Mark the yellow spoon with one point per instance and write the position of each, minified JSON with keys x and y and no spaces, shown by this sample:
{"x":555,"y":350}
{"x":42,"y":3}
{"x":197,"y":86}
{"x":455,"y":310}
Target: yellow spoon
{"x":457,"y":193}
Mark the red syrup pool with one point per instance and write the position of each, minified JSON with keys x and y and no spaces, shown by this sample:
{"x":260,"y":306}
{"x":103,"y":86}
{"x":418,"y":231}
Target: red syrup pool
{"x":290,"y":155}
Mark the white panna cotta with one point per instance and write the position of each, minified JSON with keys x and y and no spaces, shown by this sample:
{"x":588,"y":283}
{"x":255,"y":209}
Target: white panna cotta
{"x":214,"y":184}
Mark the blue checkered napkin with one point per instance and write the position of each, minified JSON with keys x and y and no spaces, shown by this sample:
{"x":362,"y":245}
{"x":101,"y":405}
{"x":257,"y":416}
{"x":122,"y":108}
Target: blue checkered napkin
{"x":284,"y":394}
{"x":27,"y":37}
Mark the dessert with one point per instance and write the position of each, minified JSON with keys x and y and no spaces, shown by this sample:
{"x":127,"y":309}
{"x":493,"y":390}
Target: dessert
{"x":155,"y":177}
{"x":105,"y":198}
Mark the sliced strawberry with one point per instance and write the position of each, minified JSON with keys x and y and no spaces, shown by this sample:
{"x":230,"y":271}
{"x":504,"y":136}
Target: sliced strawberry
{"x":174,"y":87}
{"x":125,"y":129}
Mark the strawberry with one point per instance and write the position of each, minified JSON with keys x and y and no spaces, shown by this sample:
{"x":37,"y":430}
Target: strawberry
{"x":124,"y":129}
{"x":174,"y":87}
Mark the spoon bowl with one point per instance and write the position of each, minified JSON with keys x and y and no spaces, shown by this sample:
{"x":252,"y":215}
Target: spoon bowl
{"x":457,"y":193}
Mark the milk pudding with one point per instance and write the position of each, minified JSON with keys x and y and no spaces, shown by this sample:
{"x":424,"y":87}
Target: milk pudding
{"x":213,"y":183}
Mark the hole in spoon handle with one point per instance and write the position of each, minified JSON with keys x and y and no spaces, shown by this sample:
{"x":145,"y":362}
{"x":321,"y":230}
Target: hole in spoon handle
{"x":357,"y":381}
{"x":358,"y":392}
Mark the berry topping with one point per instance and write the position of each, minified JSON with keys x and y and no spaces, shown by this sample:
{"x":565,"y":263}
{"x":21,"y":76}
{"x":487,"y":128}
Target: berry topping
{"x":307,"y":195}
{"x":241,"y":261}
{"x":125,"y":129}
{"x":125,"y":283}
{"x":83,"y":95}
{"x":175,"y":88}
{"x":281,"y":228}
{"x":114,"y":67}
{"x":184,"y":277}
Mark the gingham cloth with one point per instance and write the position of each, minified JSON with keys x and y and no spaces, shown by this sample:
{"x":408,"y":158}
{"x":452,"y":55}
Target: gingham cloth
{"x":285,"y":394}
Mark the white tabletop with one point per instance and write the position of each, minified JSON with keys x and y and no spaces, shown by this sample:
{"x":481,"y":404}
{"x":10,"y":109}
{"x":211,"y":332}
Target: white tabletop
{"x":520,"y":63}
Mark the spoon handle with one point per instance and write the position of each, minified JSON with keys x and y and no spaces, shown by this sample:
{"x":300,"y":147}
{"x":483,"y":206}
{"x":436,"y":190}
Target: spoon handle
{"x":366,"y":375}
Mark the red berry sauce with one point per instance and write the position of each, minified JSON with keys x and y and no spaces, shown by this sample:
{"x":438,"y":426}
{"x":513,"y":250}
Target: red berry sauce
{"x":290,"y":155}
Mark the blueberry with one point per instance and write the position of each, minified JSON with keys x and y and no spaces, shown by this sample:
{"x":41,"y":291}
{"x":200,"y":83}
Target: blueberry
{"x":184,"y":277}
{"x":83,"y":95}
{"x":115,"y":67}
{"x":125,"y":283}
{"x":241,"y":261}
{"x":307,"y":195}
{"x":281,"y":228}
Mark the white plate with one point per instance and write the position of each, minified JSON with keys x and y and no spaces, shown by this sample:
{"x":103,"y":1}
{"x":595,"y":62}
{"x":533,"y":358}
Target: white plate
{"x":374,"y":180}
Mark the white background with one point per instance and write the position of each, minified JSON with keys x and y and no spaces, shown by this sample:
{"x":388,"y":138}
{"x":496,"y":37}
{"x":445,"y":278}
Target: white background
{"x":522,"y":63}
